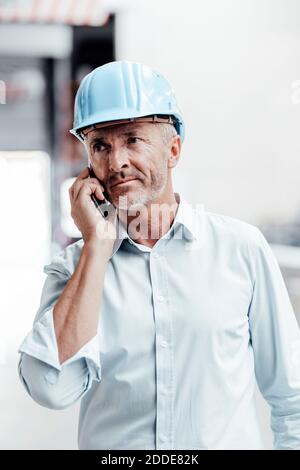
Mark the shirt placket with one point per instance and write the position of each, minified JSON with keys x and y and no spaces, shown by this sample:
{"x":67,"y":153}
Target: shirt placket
{"x":163,"y":352}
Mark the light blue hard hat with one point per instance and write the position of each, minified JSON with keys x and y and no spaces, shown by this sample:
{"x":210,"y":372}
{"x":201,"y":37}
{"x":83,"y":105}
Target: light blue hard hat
{"x":124,"y":90}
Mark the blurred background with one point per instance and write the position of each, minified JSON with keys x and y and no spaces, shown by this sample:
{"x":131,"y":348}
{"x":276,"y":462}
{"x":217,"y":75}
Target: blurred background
{"x":235,"y":69}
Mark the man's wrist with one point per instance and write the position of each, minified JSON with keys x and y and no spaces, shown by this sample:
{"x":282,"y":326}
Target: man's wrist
{"x":96,"y":246}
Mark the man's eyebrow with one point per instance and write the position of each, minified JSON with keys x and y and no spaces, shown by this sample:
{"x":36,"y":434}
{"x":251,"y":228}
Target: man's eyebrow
{"x":131,"y":132}
{"x":127,"y":133}
{"x":94,"y":140}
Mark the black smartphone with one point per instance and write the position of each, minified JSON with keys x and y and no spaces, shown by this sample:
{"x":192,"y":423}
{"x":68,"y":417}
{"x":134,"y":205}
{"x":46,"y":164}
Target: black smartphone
{"x":103,"y":206}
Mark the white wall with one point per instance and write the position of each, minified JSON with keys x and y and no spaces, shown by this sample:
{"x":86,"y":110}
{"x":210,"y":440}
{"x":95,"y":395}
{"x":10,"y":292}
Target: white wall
{"x":233,"y":65}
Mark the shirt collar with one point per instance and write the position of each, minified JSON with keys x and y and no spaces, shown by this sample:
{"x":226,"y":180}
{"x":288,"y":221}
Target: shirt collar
{"x":121,"y":235}
{"x":188,"y":223}
{"x":190,"y":219}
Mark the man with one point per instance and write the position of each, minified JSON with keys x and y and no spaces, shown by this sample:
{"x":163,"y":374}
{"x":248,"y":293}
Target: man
{"x":162,"y":316}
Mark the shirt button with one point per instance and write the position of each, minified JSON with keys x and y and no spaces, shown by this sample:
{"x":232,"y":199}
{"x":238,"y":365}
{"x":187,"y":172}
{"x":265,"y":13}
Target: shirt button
{"x":155,"y":255}
{"x":164,"y":343}
{"x":160,"y":298}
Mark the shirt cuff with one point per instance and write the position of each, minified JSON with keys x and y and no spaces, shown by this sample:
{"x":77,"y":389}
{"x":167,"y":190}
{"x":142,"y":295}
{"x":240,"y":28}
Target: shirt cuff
{"x":41,"y":344}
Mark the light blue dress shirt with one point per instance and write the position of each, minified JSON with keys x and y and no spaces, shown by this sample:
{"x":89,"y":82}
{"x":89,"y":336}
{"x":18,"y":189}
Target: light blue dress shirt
{"x":185,"y":329}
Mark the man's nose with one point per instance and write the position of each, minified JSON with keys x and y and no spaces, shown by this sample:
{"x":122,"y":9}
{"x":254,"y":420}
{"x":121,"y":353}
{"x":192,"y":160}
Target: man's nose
{"x":118,"y":159}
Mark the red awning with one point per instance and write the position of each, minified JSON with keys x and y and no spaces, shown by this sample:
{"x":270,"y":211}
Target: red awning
{"x":72,"y":12}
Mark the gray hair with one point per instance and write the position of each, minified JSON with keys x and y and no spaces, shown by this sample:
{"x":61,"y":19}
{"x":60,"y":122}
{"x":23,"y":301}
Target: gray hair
{"x":167,"y":132}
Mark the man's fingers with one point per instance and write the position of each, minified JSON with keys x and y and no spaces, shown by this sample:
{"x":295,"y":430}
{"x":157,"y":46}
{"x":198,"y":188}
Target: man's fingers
{"x":99,"y":192}
{"x":88,"y":187}
{"x":83,"y":175}
{"x":88,"y":182}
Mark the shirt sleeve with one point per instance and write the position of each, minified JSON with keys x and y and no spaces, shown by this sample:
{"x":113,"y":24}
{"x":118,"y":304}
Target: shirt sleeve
{"x":39,"y":351}
{"x":275,"y":340}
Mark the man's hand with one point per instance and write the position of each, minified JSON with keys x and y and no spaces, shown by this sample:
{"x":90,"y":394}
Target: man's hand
{"x":87,"y":218}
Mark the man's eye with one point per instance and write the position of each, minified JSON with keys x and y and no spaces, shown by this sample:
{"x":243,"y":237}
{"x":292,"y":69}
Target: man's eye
{"x":98,"y":147}
{"x":133,"y":140}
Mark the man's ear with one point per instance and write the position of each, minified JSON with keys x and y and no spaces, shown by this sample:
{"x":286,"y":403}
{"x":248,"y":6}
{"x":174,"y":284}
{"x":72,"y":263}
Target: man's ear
{"x":175,"y":149}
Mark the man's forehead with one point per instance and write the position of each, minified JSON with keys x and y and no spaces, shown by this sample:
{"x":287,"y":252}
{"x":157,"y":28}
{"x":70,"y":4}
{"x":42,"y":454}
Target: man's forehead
{"x":120,"y":129}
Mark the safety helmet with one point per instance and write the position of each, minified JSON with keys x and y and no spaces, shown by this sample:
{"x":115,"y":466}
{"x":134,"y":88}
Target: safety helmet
{"x":123,"y":90}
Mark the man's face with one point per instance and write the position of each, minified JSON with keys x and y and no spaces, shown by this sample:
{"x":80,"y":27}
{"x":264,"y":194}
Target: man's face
{"x":134,"y":151}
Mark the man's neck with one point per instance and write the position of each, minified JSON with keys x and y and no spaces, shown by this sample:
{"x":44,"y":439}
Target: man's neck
{"x":151,"y":222}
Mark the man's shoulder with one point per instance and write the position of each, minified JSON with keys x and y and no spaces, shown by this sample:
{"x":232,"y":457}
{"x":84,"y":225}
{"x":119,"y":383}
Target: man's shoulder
{"x":233,"y":229}
{"x":66,"y":259}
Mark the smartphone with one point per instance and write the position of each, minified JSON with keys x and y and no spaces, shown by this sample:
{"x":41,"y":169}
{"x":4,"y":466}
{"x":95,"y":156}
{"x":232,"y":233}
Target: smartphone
{"x":103,"y":206}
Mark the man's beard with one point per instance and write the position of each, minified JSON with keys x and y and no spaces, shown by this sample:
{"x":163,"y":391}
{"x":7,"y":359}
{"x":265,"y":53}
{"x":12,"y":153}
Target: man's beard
{"x":138,"y":199}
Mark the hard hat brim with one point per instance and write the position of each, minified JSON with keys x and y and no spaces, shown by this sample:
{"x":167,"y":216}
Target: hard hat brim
{"x":81,"y":131}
